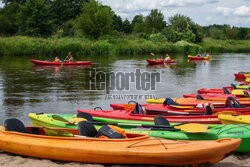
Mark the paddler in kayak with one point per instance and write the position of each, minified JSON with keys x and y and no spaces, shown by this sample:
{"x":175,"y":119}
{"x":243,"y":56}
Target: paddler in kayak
{"x":69,"y":58}
{"x":57,"y":60}
{"x":167,"y":58}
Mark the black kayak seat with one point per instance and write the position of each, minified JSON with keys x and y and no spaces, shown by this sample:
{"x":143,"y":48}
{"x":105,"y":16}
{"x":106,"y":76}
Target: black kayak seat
{"x":159,"y":120}
{"x":13,"y":124}
{"x":246,"y":94}
{"x":85,"y":115}
{"x":225,"y":91}
{"x":236,"y":103}
{"x":107,"y":131}
{"x":170,"y":101}
{"x":233,"y":86}
{"x":199,"y":97}
{"x":87,"y":129}
{"x":208,"y":110}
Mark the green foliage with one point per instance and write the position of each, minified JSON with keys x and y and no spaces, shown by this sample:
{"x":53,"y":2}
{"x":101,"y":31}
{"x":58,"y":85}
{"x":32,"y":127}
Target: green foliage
{"x":183,"y":28}
{"x":117,"y":22}
{"x":35,"y":19}
{"x":7,"y":2}
{"x":126,"y":26}
{"x":95,"y":20}
{"x":8,"y":19}
{"x":65,"y":10}
{"x":188,"y":48}
{"x":154,"y":22}
{"x":158,"y":37}
{"x":138,"y":24}
{"x":68,"y":28}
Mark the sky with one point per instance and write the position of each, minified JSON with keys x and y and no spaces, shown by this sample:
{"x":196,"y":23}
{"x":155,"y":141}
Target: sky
{"x":203,"y":12}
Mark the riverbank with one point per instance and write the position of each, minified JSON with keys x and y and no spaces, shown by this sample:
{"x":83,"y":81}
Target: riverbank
{"x":10,"y":160}
{"x":22,"y":45}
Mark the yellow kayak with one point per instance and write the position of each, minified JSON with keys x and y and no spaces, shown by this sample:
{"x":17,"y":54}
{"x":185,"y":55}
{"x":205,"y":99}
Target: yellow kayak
{"x":234,"y":119}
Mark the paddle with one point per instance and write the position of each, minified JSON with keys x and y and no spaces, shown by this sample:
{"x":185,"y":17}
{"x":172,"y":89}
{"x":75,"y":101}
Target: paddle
{"x":73,"y":121}
{"x":190,"y":127}
{"x":57,"y":132}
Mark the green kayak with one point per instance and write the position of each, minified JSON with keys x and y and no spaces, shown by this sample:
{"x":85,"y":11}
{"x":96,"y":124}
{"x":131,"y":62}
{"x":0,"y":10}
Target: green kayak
{"x":215,"y":131}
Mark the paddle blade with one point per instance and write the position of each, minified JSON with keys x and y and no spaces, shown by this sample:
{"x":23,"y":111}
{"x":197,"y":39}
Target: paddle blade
{"x":192,"y":128}
{"x":59,"y":118}
{"x":227,"y":113}
{"x":57,"y":132}
{"x":129,"y":107}
{"x":77,"y":120}
{"x":152,"y":54}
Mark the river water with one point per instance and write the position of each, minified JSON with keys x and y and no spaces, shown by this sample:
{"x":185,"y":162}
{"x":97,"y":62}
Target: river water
{"x":26,"y":88}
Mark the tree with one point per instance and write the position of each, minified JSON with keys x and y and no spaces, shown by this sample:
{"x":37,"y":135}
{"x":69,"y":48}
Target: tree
{"x":65,"y":10}
{"x":126,"y":26}
{"x":138,"y":24}
{"x":117,"y":22}
{"x":8,"y":19}
{"x":95,"y":19}
{"x":154,"y":22}
{"x":35,"y":19}
{"x":242,"y":33}
{"x":183,"y":28}
{"x":7,"y":2}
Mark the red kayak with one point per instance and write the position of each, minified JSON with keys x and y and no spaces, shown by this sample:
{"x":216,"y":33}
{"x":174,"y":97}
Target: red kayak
{"x":160,"y":62}
{"x":217,"y":91}
{"x":129,"y":115}
{"x":39,"y":62}
{"x":239,"y":75}
{"x":173,"y":110}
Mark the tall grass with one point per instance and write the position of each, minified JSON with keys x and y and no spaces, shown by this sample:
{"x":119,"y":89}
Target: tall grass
{"x":21,"y":45}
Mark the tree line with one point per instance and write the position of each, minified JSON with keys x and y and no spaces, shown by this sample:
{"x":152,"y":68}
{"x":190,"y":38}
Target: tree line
{"x":89,"y":18}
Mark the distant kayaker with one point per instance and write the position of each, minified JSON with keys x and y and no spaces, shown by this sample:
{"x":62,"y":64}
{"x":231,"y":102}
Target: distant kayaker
{"x":57,"y":60}
{"x":198,"y":55}
{"x":69,"y":58}
{"x":167,"y":58}
{"x":205,"y":54}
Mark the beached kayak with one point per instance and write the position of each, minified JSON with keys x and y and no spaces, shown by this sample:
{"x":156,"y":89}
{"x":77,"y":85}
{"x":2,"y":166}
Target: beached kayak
{"x":136,"y":149}
{"x":234,"y":119}
{"x":195,"y":102}
{"x":130,"y":115}
{"x":160,"y":62}
{"x":238,"y":94}
{"x":224,"y":90}
{"x":198,"y":58}
{"x":241,"y":74}
{"x":39,"y":62}
{"x":214,"y":132}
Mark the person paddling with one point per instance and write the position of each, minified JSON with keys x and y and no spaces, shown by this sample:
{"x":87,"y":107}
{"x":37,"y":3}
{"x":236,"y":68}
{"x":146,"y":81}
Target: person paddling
{"x":167,"y":58}
{"x":69,"y":58}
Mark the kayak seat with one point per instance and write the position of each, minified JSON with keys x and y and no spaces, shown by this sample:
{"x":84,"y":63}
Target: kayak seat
{"x":233,"y":86}
{"x":199,"y":97}
{"x":246,"y":94}
{"x":85,"y":115}
{"x":159,"y":120}
{"x":208,"y":110}
{"x":139,"y":109}
{"x":13,"y":124}
{"x":87,"y":129}
{"x":112,"y":132}
{"x":225,"y":91}
{"x":236,"y":103}
{"x":169,"y":101}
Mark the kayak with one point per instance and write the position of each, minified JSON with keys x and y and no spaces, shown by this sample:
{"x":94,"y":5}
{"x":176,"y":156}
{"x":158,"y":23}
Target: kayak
{"x":239,"y":75}
{"x":198,"y":58}
{"x":234,"y":119}
{"x":129,"y":115}
{"x":194,"y":101}
{"x":222,"y":91}
{"x":179,"y":110}
{"x":160,"y":62}
{"x":238,"y":94}
{"x":214,"y":132}
{"x":39,"y":62}
{"x":136,"y":149}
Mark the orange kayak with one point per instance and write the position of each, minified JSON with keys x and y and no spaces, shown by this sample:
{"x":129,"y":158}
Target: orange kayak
{"x":136,"y":149}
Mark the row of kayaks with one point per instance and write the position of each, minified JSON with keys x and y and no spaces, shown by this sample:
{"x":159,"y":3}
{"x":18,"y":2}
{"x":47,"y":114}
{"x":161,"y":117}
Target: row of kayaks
{"x":176,"y":131}
{"x":150,"y":61}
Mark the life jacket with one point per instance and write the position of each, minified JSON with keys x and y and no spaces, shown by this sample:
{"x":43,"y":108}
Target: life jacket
{"x":57,"y":60}
{"x":110,"y":131}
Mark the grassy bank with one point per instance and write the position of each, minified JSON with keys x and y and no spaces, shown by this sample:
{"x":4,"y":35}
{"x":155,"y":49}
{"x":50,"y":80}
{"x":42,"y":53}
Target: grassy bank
{"x":20,"y":45}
